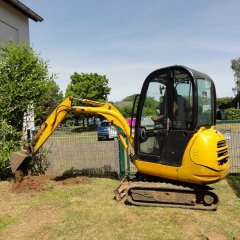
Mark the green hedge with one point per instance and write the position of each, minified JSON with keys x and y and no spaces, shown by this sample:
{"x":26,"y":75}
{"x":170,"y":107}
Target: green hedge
{"x":8,"y":143}
{"x":232,"y":114}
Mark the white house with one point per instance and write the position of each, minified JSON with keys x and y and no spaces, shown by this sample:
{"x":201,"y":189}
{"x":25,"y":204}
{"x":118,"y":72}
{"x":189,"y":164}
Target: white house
{"x":14,"y":21}
{"x":14,"y":26}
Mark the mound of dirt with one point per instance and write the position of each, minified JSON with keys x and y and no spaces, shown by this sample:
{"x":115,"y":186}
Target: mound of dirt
{"x":73,"y":180}
{"x":32,"y":184}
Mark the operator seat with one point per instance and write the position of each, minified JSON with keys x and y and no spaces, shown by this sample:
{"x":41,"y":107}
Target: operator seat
{"x":182,"y":112}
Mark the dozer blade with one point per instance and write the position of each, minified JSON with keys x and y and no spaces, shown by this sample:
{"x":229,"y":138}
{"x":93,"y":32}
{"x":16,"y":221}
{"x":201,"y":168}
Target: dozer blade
{"x":17,"y":158}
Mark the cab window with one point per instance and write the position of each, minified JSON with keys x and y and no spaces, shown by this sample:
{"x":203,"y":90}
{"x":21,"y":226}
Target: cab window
{"x":182,"y":101}
{"x":155,"y":104}
{"x":205,"y":102}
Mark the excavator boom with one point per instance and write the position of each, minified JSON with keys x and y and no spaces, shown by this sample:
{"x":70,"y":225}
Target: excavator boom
{"x":57,"y":116}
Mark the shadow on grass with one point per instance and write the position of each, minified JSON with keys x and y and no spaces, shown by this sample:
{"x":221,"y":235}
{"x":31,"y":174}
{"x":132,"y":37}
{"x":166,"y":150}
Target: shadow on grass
{"x":234,"y":182}
{"x":104,"y":172}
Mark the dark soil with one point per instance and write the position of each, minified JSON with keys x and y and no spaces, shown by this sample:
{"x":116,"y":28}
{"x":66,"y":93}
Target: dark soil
{"x":32,"y":184}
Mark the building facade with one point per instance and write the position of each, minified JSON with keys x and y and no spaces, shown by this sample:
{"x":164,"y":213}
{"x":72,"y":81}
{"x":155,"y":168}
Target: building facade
{"x":14,"y":21}
{"x":14,"y":26}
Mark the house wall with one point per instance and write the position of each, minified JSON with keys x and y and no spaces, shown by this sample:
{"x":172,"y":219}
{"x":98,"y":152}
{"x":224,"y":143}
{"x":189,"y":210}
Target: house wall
{"x":14,"y":25}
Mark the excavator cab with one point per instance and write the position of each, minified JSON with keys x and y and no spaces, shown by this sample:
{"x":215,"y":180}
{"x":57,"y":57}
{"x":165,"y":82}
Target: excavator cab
{"x":174,"y":104}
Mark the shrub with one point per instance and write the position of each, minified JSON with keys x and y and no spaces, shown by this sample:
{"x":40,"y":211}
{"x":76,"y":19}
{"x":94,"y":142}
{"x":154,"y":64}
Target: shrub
{"x":24,"y":81}
{"x":9,"y":142}
{"x":232,"y":114}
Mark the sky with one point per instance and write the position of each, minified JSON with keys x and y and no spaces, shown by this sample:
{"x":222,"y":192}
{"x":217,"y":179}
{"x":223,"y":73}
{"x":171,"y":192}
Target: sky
{"x":128,"y":39}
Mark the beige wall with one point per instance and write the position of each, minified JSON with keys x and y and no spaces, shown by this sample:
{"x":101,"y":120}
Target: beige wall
{"x":13,"y":24}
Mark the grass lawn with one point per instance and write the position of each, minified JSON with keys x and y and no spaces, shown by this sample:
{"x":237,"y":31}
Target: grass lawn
{"x":87,"y":211}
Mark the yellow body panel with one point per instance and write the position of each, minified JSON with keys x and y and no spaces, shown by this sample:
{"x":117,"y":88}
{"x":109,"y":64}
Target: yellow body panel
{"x":200,"y":163}
{"x":155,"y":169}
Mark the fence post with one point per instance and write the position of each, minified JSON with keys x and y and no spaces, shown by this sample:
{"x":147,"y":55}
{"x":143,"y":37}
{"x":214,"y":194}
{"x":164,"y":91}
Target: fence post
{"x":121,"y":159}
{"x":128,"y":160}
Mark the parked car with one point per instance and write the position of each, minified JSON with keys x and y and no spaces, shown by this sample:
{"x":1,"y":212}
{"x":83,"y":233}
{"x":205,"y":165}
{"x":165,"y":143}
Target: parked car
{"x":106,"y":131}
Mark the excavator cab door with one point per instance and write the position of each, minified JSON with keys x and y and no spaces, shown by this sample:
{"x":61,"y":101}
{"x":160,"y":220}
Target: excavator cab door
{"x":164,"y":123}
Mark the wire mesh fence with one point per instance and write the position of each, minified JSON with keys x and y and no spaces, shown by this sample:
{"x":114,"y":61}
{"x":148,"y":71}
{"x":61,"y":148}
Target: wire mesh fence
{"x":231,"y":131}
{"x":78,"y":151}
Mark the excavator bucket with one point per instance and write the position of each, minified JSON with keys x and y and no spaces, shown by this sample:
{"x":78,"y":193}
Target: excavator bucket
{"x":17,"y":158}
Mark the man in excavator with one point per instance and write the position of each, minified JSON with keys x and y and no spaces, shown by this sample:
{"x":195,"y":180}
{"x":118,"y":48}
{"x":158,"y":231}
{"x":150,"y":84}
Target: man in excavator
{"x":181,"y":111}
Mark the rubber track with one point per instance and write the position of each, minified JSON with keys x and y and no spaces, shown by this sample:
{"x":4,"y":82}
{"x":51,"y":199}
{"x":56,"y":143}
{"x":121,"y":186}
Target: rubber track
{"x":136,"y":188}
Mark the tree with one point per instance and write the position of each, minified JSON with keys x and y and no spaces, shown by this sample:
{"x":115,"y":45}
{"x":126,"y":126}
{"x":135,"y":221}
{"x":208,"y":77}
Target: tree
{"x":130,"y":98}
{"x":126,"y":110}
{"x":224,"y":102}
{"x":49,"y":101}
{"x":150,"y":106}
{"x":232,"y":114}
{"x":88,"y":85}
{"x":126,"y":106}
{"x":235,"y":65}
{"x":24,"y":81}
{"x":8,"y":143}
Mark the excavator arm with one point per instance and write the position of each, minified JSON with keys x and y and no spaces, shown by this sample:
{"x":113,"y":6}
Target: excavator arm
{"x":51,"y":123}
{"x":107,"y":110}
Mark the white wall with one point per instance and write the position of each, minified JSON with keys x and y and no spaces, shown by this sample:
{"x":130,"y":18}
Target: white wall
{"x":13,"y":24}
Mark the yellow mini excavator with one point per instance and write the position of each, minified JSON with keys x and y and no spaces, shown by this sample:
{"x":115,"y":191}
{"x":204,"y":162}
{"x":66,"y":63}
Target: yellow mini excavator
{"x":176,"y":148}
